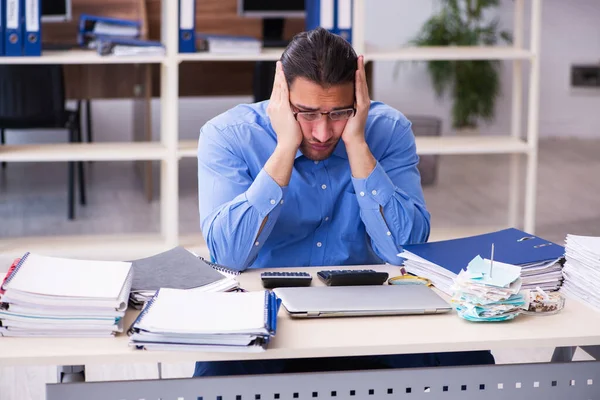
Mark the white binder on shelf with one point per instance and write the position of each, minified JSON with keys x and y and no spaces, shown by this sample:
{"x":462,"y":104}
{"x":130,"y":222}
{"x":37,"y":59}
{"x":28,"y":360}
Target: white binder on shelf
{"x":187,"y":26}
{"x":32,"y":38}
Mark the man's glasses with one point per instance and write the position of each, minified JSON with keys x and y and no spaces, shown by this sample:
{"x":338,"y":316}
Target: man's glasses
{"x":336,"y":115}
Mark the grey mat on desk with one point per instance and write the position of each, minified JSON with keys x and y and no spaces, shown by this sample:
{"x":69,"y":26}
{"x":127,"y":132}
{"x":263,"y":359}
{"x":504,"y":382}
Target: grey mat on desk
{"x":176,"y":268}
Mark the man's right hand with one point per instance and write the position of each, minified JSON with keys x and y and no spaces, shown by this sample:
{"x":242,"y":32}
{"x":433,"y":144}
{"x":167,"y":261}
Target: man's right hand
{"x":289,"y":134}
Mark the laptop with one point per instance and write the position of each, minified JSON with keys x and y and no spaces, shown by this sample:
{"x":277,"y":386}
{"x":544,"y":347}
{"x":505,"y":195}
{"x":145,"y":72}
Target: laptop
{"x":371,"y":300}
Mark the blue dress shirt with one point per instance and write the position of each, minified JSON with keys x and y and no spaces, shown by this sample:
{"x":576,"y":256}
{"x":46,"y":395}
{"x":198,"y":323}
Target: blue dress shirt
{"x":324,"y":216}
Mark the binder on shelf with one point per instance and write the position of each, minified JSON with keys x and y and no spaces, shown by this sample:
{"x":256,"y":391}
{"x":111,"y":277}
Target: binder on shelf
{"x":13,"y":12}
{"x":32,"y":38}
{"x":333,"y":15}
{"x":187,"y":26}
{"x":2,"y":39}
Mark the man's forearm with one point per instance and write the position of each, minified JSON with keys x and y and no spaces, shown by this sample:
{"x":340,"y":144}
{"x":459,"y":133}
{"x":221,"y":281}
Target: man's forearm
{"x":279,"y":166}
{"x":362,"y":162}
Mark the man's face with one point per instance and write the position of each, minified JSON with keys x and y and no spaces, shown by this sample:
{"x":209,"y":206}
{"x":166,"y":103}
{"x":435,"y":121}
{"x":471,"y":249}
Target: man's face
{"x":322,"y":134}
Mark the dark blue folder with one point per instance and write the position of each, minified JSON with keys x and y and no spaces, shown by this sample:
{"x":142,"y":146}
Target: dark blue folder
{"x":511,"y":246}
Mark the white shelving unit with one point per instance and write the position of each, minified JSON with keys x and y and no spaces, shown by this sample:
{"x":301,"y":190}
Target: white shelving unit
{"x":169,"y":150}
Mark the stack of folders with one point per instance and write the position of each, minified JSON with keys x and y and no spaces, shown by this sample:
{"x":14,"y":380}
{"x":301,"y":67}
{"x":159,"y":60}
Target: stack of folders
{"x":540,"y":260}
{"x":55,"y":297}
{"x":582,"y":269}
{"x":188,"y":320}
{"x":178,"y":268}
{"x":227,"y":44}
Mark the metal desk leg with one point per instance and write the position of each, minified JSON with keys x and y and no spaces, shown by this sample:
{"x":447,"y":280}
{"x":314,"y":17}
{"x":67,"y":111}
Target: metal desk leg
{"x":70,"y":373}
{"x":563,"y":354}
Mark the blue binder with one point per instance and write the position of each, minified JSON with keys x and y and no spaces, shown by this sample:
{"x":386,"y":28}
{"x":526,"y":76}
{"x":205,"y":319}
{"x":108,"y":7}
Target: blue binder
{"x":2,"y":39}
{"x":13,"y":14}
{"x":511,"y":246}
{"x":343,"y":19}
{"x":88,"y":30}
{"x":32,"y":38}
{"x":333,"y":15}
{"x":187,"y":26}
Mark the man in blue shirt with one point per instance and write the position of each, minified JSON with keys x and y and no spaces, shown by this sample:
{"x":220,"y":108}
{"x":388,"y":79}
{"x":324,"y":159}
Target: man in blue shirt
{"x":318,"y":175}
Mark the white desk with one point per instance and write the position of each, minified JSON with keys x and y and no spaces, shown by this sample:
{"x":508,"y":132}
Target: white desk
{"x":576,"y":325}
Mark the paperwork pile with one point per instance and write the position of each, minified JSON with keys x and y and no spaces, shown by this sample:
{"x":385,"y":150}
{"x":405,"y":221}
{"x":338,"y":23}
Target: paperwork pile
{"x":582,"y":269}
{"x":188,"y":320}
{"x":488,"y":291}
{"x":440,"y":262}
{"x":55,"y":297}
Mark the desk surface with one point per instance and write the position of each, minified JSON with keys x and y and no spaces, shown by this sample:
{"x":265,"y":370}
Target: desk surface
{"x":576,"y":325}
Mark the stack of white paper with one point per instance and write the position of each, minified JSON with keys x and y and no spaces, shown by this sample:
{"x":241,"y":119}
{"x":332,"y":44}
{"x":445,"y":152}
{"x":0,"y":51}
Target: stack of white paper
{"x":582,"y":269}
{"x":57,"y":297}
{"x":177,"y":319}
{"x":488,"y":291}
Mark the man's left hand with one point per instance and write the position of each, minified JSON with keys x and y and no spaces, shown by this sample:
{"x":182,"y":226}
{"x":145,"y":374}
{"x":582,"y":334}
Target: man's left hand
{"x":354,"y":132}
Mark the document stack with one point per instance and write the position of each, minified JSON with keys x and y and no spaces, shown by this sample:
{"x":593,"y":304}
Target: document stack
{"x":540,"y":260}
{"x":189,"y":320}
{"x":582,"y":269}
{"x":178,"y":268}
{"x":227,"y":44}
{"x":488,"y":291}
{"x":55,"y":297}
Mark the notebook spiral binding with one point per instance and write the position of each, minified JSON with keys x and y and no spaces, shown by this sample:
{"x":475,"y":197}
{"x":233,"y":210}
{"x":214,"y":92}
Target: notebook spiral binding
{"x":220,"y":267}
{"x":14,"y":272}
{"x":141,"y":315}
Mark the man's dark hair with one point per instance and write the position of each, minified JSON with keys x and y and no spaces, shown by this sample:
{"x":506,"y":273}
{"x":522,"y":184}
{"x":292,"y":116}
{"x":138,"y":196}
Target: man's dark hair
{"x":321,"y":57}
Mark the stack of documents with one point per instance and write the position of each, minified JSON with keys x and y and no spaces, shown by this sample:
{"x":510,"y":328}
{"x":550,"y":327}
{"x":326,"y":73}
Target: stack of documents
{"x":488,"y":291}
{"x":540,"y":260}
{"x":582,"y":269}
{"x":177,"y":269}
{"x":228,"y":44}
{"x":188,"y":320}
{"x":55,"y":297}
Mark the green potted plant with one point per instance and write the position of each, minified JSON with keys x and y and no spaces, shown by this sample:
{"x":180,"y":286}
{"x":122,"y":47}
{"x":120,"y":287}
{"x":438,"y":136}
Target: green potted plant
{"x":474,"y":85}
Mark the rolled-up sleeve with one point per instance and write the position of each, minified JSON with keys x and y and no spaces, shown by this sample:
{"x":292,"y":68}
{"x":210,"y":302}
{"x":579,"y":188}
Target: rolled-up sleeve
{"x":391,"y":199}
{"x":232,"y":215}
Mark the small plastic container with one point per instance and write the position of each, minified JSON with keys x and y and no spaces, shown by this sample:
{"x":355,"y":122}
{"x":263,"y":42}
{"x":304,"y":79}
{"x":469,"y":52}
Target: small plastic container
{"x":543,"y":303}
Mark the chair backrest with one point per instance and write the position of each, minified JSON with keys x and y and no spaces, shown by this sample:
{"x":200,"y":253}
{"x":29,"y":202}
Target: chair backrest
{"x":32,"y":96}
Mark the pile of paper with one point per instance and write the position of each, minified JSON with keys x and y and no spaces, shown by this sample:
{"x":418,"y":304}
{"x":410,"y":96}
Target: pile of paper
{"x":56,"y":297}
{"x":440,"y":262}
{"x":177,"y":268}
{"x":488,"y":291}
{"x":189,"y":320}
{"x":582,"y":269}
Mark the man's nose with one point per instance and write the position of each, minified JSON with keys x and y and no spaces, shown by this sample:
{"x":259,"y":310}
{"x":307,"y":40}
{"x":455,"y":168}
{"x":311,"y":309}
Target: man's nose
{"x":321,"y":129}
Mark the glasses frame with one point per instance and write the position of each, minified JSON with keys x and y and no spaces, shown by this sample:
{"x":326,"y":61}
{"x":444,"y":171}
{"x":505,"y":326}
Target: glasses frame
{"x":325,"y":113}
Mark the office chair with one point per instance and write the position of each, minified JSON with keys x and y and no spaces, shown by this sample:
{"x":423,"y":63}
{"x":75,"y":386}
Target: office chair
{"x":33,"y":97}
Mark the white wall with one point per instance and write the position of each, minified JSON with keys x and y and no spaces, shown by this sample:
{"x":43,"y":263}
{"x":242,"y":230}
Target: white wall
{"x":570,"y":34}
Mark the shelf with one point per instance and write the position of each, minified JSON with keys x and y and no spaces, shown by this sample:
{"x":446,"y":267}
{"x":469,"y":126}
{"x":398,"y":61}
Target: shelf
{"x":116,"y":151}
{"x":431,"y":145}
{"x":447,"y":53}
{"x":267,"y":54}
{"x":80,"y":57}
{"x":470,"y":145}
{"x":120,"y":247}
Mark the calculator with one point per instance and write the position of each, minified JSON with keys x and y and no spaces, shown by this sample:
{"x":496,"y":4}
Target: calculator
{"x":271,"y":280}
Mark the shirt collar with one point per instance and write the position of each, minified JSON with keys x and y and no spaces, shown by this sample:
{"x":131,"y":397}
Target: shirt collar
{"x":340,"y":151}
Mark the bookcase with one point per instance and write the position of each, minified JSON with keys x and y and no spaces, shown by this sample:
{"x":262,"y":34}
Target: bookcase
{"x":169,"y":150}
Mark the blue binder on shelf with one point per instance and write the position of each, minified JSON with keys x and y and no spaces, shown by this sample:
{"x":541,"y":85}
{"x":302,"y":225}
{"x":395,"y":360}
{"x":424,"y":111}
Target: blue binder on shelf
{"x":13,"y":14}
{"x":511,"y":246}
{"x":2,"y":39}
{"x":187,"y":26}
{"x":31,"y":37}
{"x":92,"y":27}
{"x":333,"y":15}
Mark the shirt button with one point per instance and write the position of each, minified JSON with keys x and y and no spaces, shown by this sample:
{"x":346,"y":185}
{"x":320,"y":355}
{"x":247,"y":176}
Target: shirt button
{"x":319,"y":244}
{"x":273,"y":201}
{"x":374,"y":192}
{"x":316,"y":162}
{"x":281,"y":202}
{"x":326,"y":218}
{"x":323,"y":187}
{"x":256,"y":243}
{"x":389,"y":233}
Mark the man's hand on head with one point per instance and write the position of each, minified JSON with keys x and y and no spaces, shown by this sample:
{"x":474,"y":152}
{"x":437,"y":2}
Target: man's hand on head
{"x":289,"y":134}
{"x":354,"y":132}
